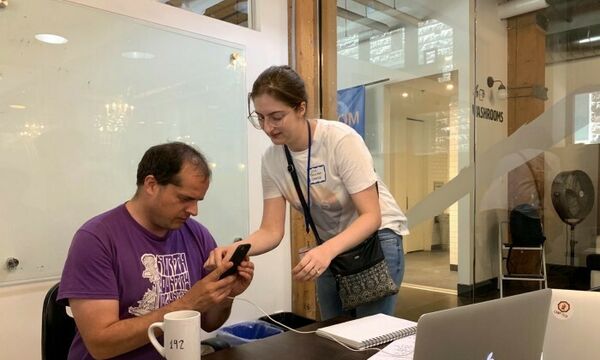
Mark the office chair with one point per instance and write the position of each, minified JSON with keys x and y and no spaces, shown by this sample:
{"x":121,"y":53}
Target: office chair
{"x":58,"y":328}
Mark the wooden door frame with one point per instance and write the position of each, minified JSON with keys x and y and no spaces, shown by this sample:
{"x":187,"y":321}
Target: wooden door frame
{"x":312,"y":51}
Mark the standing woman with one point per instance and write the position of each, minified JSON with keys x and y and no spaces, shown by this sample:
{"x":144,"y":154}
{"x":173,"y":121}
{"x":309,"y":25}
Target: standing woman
{"x":347,"y":200}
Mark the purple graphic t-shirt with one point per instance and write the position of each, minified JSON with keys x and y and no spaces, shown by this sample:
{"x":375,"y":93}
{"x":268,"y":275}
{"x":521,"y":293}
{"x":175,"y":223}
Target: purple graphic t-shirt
{"x":114,"y":257}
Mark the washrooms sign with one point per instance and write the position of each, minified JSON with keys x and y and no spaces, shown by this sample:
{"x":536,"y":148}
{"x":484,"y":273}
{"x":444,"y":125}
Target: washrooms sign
{"x":351,"y":108}
{"x":488,"y":114}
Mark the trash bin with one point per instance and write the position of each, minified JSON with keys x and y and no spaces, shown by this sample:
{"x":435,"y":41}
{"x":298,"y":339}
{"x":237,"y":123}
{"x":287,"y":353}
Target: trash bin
{"x":247,"y":331}
{"x":289,"y":319}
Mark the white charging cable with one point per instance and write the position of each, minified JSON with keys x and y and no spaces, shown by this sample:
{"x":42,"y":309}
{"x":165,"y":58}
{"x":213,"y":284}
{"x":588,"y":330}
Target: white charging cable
{"x":376,"y":349}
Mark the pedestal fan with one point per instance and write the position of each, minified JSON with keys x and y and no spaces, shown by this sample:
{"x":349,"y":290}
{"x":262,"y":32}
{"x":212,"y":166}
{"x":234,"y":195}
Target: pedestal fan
{"x":573,"y":199}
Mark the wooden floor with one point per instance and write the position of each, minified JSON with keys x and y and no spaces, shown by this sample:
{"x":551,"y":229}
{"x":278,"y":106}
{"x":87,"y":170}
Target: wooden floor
{"x":412,"y":303}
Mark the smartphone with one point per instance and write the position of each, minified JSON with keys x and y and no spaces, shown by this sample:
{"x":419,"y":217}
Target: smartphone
{"x":238,"y":256}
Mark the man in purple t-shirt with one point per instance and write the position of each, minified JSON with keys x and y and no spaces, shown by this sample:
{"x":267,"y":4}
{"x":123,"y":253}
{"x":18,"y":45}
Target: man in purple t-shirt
{"x":129,"y":266}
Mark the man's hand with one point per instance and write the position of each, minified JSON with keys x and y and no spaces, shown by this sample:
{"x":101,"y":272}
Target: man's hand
{"x":210,"y":291}
{"x":219,"y":306}
{"x":243,"y":278}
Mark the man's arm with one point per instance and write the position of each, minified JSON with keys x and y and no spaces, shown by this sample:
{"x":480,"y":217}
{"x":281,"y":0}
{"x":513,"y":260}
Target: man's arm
{"x":106,"y":336}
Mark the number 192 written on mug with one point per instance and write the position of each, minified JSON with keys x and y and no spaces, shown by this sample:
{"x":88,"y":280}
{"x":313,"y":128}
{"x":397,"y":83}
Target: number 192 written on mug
{"x":176,"y":344}
{"x":181,"y":335}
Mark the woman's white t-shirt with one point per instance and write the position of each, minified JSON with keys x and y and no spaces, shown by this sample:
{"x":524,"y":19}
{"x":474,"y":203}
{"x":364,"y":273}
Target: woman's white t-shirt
{"x":340,"y":165}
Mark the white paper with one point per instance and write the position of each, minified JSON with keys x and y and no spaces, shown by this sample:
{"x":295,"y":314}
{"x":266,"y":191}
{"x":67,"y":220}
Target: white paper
{"x":403,"y":348}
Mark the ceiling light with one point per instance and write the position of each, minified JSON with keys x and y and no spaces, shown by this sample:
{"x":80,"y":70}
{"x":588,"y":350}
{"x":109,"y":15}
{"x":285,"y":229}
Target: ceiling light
{"x":519,"y":7}
{"x":404,"y":94}
{"x":51,"y":39}
{"x":137,"y":55}
{"x":18,"y":106}
{"x":588,"y":40}
{"x":449,"y":87}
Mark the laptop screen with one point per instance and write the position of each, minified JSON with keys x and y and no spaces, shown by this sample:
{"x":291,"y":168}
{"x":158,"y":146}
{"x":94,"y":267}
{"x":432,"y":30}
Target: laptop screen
{"x":508,"y":328}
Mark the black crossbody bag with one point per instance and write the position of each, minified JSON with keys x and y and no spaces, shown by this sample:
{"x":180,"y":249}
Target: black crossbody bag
{"x":361,"y":273}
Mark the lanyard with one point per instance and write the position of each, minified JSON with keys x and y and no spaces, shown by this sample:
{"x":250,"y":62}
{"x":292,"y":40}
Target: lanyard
{"x":308,"y":174}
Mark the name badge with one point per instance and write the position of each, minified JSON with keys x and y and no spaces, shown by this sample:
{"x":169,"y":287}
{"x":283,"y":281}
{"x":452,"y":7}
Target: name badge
{"x":317,"y":174}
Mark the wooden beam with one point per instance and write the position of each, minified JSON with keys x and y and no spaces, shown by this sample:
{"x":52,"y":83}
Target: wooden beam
{"x":306,"y":55}
{"x":220,"y":6}
{"x":526,"y":75}
{"x":225,"y":11}
{"x":313,"y":38}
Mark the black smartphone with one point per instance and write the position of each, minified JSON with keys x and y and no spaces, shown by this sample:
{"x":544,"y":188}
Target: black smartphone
{"x":238,"y":256}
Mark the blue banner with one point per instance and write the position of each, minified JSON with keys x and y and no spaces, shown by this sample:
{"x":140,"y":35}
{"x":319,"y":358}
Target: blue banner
{"x":351,"y":108}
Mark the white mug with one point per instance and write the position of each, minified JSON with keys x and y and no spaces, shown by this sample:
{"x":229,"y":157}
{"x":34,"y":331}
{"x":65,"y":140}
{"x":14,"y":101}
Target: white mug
{"x":181,"y":335}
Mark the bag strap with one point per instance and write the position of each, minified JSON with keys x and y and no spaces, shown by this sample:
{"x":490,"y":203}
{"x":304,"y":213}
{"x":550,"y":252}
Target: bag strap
{"x":307,"y":217}
{"x":294,"y":174}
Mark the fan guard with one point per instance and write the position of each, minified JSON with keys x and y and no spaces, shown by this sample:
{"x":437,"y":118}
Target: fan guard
{"x":573,"y":199}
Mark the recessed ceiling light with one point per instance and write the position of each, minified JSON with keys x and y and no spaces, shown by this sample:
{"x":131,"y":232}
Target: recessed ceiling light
{"x":404,"y":94}
{"x":17,"y":106}
{"x":51,"y":39}
{"x":449,"y":87}
{"x":137,"y":55}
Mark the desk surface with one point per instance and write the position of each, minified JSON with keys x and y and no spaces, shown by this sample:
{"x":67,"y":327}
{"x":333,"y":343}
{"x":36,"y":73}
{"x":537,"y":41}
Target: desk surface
{"x":292,"y":346}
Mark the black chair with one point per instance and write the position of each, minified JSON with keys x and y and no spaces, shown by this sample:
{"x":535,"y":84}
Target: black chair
{"x":58,"y":328}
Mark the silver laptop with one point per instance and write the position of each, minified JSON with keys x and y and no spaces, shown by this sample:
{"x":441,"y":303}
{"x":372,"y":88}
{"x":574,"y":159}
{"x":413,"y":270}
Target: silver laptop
{"x":511,"y":328}
{"x":573,"y":326}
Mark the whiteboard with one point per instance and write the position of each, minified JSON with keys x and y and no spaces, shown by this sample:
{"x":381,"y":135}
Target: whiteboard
{"x":83,"y":113}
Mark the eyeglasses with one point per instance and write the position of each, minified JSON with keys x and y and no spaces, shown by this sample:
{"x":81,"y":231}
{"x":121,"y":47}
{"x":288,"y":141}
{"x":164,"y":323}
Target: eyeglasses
{"x":258,"y":121}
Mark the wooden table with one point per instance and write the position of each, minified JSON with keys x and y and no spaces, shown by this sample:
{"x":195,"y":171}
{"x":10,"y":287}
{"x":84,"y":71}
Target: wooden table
{"x":292,"y":346}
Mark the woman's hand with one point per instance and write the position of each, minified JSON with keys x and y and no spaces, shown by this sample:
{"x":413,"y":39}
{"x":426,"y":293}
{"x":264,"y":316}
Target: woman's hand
{"x":313,"y":264}
{"x":219,"y":255}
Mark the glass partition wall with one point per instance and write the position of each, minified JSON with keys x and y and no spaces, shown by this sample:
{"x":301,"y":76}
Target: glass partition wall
{"x":474,"y":109}
{"x":413,"y":62}
{"x":541,"y":163}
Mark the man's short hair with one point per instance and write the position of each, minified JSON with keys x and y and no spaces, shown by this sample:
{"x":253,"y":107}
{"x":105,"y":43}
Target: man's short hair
{"x":165,"y":161}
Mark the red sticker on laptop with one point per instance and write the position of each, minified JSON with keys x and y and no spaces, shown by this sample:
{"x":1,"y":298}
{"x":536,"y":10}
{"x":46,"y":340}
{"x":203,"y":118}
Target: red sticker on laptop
{"x":562,"y":310}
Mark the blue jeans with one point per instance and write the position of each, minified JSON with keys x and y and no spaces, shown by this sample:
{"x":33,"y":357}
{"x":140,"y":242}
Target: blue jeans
{"x":330,"y":304}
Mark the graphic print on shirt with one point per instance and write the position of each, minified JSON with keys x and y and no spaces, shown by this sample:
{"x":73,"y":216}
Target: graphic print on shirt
{"x":169,"y":278}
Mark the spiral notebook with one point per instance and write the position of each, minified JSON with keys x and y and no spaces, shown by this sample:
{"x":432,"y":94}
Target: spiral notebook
{"x":369,"y":331}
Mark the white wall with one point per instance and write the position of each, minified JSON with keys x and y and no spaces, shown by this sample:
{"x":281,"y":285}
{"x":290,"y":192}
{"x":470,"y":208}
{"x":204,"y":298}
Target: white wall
{"x":21,"y":321}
